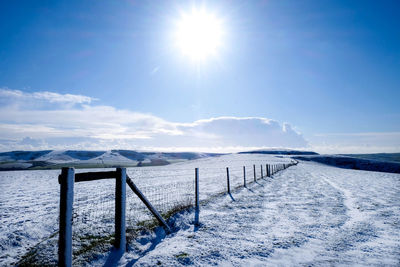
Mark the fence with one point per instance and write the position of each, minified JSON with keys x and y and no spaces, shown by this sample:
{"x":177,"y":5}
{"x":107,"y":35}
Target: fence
{"x":113,"y":208}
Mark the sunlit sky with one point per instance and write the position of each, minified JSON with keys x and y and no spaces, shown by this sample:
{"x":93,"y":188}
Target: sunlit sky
{"x":316,"y":75}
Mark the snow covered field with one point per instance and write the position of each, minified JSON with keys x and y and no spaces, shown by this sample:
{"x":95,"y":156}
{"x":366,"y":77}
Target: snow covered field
{"x":29,"y":199}
{"x":309,"y":214}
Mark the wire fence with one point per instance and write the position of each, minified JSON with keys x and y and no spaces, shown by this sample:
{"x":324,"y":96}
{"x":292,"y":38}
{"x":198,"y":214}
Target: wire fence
{"x":167,"y":189}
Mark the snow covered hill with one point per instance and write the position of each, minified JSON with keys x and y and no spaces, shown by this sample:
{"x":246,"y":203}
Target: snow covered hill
{"x":280,"y":151}
{"x":356,"y":163}
{"x":55,"y":159}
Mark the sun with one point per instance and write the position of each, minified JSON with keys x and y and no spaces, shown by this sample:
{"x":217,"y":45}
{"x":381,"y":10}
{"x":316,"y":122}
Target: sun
{"x":198,"y":34}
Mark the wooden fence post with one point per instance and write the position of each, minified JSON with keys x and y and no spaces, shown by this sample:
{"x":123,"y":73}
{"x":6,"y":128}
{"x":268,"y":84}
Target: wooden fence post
{"x":145,"y":201}
{"x":254,"y":171}
{"x":227,"y":180}
{"x":120,"y":207}
{"x":196,"y":187}
{"x":66,"y":180}
{"x":244,"y":175}
{"x":261,"y":171}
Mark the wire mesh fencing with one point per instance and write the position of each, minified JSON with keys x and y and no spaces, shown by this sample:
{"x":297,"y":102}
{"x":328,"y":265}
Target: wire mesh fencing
{"x":167,"y":189}
{"x":166,"y":199}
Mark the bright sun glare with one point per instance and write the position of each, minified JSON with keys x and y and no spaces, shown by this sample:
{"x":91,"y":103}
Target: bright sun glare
{"x":198,"y":34}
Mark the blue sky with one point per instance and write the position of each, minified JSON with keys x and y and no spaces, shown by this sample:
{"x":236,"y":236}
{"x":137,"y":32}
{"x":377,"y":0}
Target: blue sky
{"x":326,"y":70}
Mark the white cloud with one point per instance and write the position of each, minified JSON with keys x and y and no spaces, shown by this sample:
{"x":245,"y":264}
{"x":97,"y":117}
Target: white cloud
{"x":87,"y":126}
{"x":367,"y":142}
{"x":47,"y":120}
{"x":243,"y":131}
{"x":51,"y":97}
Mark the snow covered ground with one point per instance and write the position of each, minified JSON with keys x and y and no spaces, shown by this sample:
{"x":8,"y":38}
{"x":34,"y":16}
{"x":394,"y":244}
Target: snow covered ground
{"x":307,"y":215}
{"x":29,"y":199}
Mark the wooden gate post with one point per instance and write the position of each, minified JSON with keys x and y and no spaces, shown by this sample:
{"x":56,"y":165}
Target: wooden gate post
{"x":120,"y":207}
{"x":66,"y":180}
{"x":244,"y":175}
{"x":227,"y":180}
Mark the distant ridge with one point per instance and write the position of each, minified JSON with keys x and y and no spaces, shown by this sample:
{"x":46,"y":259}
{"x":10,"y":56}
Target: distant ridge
{"x":280,"y":152}
{"x":355,"y":163}
{"x":54,"y":159}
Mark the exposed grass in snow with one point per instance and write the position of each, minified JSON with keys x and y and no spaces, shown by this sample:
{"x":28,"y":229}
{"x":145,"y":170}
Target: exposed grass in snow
{"x":34,"y":258}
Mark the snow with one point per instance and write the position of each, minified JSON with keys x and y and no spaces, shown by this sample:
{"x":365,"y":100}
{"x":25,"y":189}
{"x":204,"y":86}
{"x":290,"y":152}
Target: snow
{"x":306,"y":215}
{"x":110,"y":157}
{"x":309,"y":214}
{"x":56,"y":156}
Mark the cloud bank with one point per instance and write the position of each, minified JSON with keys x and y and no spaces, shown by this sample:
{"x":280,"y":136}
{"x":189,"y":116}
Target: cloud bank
{"x":367,"y":142}
{"x":49,"y":120}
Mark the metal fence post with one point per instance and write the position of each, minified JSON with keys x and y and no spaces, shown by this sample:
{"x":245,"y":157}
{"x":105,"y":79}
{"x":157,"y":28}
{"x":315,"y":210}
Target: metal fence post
{"x":66,"y":180}
{"x":244,"y":175}
{"x":227,"y":180}
{"x":254,"y":171}
{"x":120,"y":207}
{"x":196,"y":187}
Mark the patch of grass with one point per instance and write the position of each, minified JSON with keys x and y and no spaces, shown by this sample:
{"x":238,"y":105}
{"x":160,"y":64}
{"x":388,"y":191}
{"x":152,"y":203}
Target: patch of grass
{"x":90,"y":242}
{"x":34,"y":256}
{"x":148,"y":224}
{"x":170,"y":213}
{"x":183,"y":258}
{"x":181,"y":255}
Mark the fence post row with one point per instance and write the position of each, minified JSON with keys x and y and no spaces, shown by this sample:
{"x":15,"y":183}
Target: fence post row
{"x":66,"y":180}
{"x":68,"y":177}
{"x":227,"y":180}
